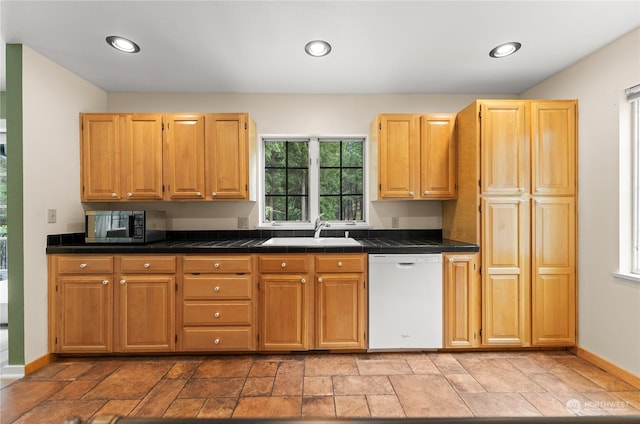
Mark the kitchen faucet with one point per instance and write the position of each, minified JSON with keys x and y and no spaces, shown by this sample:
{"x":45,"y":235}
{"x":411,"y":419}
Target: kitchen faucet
{"x":319,"y":226}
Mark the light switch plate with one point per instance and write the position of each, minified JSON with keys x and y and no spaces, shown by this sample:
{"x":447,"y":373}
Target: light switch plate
{"x":243,"y":223}
{"x":395,"y":222}
{"x":52,"y":215}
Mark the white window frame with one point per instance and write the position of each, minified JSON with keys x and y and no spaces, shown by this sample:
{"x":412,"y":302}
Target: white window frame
{"x":314,"y":184}
{"x":629,"y":267}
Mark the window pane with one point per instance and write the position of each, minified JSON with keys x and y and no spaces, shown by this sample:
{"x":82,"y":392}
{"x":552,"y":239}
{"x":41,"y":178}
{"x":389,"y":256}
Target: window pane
{"x":298,"y":181}
{"x":330,"y":207}
{"x":298,"y":154}
{"x":352,"y":153}
{"x":275,"y":181}
{"x":352,"y":208}
{"x":275,"y":154}
{"x":352,"y":181}
{"x":330,"y":153}
{"x":329,"y":181}
{"x":275,"y":208}
{"x":297,"y":209}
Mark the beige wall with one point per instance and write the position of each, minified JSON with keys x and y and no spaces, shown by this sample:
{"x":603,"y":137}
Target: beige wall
{"x":608,"y":307}
{"x":52,"y":97}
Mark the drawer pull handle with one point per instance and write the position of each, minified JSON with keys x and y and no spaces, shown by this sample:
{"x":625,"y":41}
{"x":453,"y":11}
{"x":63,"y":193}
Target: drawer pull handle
{"x":339,"y":263}
{"x":198,"y":194}
{"x":83,"y":266}
{"x":303,"y":281}
{"x":411,"y":193}
{"x":452,"y":260}
{"x":214,"y":194}
{"x":105,"y":282}
{"x":216,"y":289}
{"x":216,"y":265}
{"x":146,"y":265}
{"x":426,"y":192}
{"x":114,"y":195}
{"x":283,"y":265}
{"x":122,"y":282}
{"x":217,"y":315}
{"x":216,"y":341}
{"x":129,"y":194}
{"x":319,"y":279}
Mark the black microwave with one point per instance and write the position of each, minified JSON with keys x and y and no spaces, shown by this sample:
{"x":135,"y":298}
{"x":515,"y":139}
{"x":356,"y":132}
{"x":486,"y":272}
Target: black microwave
{"x":124,"y":226}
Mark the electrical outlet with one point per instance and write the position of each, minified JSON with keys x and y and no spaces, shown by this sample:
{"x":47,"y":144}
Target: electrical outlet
{"x":395,"y":222}
{"x":243,"y":223}
{"x":52,"y":215}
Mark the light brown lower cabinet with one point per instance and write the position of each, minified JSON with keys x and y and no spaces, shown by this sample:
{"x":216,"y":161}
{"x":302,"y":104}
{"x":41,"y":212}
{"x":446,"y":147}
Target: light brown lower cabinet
{"x":461,"y":300}
{"x":312,"y":302}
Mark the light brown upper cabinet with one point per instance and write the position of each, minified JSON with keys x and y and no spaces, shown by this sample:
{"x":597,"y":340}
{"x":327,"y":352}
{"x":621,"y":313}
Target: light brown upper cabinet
{"x":413,"y":156}
{"x":166,"y":156}
{"x":516,"y":198}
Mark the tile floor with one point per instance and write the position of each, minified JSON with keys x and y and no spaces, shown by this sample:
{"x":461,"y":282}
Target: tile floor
{"x":390,"y":385}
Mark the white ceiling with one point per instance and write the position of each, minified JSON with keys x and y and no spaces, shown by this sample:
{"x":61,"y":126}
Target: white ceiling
{"x":258,"y":46}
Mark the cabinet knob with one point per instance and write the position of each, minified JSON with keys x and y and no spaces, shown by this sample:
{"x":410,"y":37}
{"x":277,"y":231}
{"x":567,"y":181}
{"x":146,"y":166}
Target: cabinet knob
{"x":216,"y":289}
{"x":214,"y":194}
{"x":411,"y":193}
{"x":283,"y":264}
{"x":339,"y":263}
{"x":319,"y":279}
{"x":198,"y":194}
{"x":146,"y":265}
{"x":451,"y":260}
{"x":216,"y":341}
{"x":303,"y":281}
{"x":122,"y":282}
{"x":216,"y":315}
{"x":426,"y":192}
{"x":537,"y":189}
{"x":521,"y":189}
{"x":105,"y":282}
{"x":83,"y":266}
{"x":114,"y":195}
{"x":216,"y":265}
{"x":129,"y":194}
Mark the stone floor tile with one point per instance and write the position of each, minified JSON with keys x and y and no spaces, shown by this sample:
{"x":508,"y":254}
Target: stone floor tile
{"x":383,"y":367}
{"x":527,"y":366}
{"x":275,"y":406}
{"x":118,"y":407}
{"x":499,"y":405}
{"x":263,"y":369}
{"x":218,"y":408}
{"x":361,"y":385}
{"x":211,"y":388}
{"x":547,"y":404}
{"x":328,"y":364}
{"x":23,"y":395}
{"x":633,"y":398}
{"x":224,"y":367}
{"x":257,"y":386}
{"x":159,"y":398}
{"x":101,"y":370}
{"x":428,"y":396}
{"x":184,"y":408}
{"x":352,"y":406}
{"x":291,"y":368}
{"x":287,"y":385}
{"x":447,"y":363}
{"x":53,"y":412}
{"x":183,"y":369}
{"x":318,"y":386}
{"x":500,"y":375}
{"x":385,"y":406}
{"x":423,"y":366}
{"x":132,"y":380}
{"x":464,"y":383}
{"x":74,"y":390}
{"x":72,"y":371}
{"x":579,"y":382}
{"x":318,"y":407}
{"x":612,"y":403}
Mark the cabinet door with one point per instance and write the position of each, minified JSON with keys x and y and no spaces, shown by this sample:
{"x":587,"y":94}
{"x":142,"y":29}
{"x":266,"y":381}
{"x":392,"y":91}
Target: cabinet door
{"x":142,"y":157}
{"x":226,"y":156}
{"x":505,"y":281}
{"x":504,"y":144}
{"x":100,"y":157}
{"x":284,"y":312}
{"x":461,"y":301}
{"x":553,"y":135}
{"x":398,"y":155}
{"x":554,"y":272}
{"x":437,"y":157}
{"x":85,"y":314}
{"x":184,"y":157}
{"x":340,"y":311}
{"x":146,"y":313}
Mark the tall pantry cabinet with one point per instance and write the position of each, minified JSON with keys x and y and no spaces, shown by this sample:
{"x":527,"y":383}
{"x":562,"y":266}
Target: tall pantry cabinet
{"x":516,"y":198}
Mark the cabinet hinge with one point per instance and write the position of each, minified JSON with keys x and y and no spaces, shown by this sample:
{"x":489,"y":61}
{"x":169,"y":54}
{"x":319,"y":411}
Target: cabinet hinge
{"x":56,"y":341}
{"x":481,"y":332}
{"x":480,"y":183}
{"x":162,"y":126}
{"x":474,"y":267}
{"x":175,"y":339}
{"x":480,"y":271}
{"x":380,"y":126}
{"x":380,"y":187}
{"x":245,"y":125}
{"x":56,"y":287}
{"x":246,"y":187}
{"x":479,"y":208}
{"x":258,"y":285}
{"x":176,"y":286}
{"x":364,"y":284}
{"x":480,"y":114}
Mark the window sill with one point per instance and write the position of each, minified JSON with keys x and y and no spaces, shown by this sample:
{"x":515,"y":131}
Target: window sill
{"x":635,"y":278}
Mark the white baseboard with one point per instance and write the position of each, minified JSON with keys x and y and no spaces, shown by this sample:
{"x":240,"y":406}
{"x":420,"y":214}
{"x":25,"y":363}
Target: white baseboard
{"x":12,"y":371}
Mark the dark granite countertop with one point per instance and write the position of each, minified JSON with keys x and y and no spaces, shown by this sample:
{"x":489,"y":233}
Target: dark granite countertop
{"x":250,"y":241}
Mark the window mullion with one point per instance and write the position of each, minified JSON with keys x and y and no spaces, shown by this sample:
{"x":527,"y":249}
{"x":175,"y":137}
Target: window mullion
{"x":314,"y":178}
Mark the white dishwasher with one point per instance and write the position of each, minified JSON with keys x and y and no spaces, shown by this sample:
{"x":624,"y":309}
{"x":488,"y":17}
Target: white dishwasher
{"x":405,"y":301}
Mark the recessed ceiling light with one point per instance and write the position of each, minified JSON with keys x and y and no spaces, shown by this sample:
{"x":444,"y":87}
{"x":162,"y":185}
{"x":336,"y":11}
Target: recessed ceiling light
{"x":122,"y":44}
{"x":317,"y":48}
{"x":505,"y":49}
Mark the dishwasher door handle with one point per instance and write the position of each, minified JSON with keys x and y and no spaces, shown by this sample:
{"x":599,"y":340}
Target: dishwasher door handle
{"x":406,"y":264}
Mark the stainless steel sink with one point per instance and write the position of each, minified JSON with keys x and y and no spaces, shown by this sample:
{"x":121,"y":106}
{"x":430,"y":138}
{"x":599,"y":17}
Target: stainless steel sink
{"x":311,"y":241}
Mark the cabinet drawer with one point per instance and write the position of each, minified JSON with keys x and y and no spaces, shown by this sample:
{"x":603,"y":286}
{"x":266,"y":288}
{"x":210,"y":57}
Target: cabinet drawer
{"x":148,"y":264}
{"x":340,"y":263}
{"x":85,"y":264}
{"x":212,"y":339}
{"x":270,"y":264}
{"x":202,"y":287}
{"x":216,"y":264}
{"x":217,"y":313}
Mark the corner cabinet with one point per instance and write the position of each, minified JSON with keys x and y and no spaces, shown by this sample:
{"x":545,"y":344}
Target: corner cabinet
{"x":415,"y":156}
{"x":516,"y":198}
{"x":165,"y":156}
